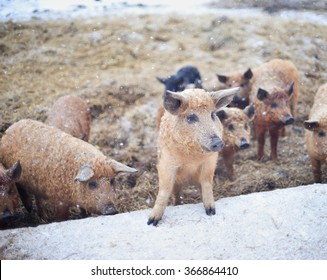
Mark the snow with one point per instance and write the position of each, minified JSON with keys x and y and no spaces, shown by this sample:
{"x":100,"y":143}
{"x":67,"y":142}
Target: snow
{"x":44,"y":9}
{"x":23,"y":10}
{"x":285,"y":224}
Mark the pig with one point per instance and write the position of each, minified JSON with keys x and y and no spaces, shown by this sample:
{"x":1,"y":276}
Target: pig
{"x":71,"y":114}
{"x":236,"y":134}
{"x":60,"y":170}
{"x":236,"y":79}
{"x":9,"y":196}
{"x":189,"y":139}
{"x":316,"y":134}
{"x":274,"y":93}
{"x":187,"y":76}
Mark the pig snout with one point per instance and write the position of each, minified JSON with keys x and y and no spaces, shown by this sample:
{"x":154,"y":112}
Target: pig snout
{"x":244,"y":144}
{"x":288,"y":120}
{"x":109,"y":210}
{"x":216,"y":144}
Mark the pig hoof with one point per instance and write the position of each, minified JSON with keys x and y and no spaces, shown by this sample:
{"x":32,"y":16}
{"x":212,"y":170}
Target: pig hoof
{"x":210,"y":211}
{"x":153,"y":221}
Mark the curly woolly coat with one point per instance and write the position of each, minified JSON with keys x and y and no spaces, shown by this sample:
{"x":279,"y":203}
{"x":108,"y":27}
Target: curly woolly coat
{"x":60,"y":170}
{"x":275,"y":91}
{"x":316,"y":134}
{"x":71,"y":114}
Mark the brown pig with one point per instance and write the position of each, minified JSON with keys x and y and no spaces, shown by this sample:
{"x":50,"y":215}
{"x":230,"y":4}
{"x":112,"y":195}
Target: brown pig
{"x":274,"y":93}
{"x":61,"y":171}
{"x":236,"y":134}
{"x":190,"y":135}
{"x":316,"y":135}
{"x":9,"y":196}
{"x":241,"y":80}
{"x":71,"y":114}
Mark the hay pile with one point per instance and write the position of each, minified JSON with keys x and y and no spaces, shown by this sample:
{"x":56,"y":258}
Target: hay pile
{"x":112,"y":63}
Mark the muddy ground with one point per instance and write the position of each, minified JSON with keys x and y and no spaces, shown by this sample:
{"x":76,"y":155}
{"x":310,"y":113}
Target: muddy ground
{"x":112,"y":62}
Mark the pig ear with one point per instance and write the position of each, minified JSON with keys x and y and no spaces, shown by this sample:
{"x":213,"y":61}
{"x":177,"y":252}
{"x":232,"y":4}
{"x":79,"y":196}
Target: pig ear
{"x":224,"y":97}
{"x":15,"y":171}
{"x":222,"y":115}
{"x":119,"y":167}
{"x":223,"y":79}
{"x":249,"y":111}
{"x":248,"y":74}
{"x":174,"y":102}
{"x":262,"y":94}
{"x":85,"y":173}
{"x":161,"y":80}
{"x":290,"y":88}
{"x":311,"y":125}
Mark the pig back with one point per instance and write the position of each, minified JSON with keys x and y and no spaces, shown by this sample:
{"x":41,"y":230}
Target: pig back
{"x":276,"y":73}
{"x":49,"y":157}
{"x":71,"y":114}
{"x":318,"y":109}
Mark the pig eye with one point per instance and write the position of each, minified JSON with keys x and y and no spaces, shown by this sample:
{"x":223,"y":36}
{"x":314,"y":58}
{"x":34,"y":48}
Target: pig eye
{"x":230,"y":127}
{"x":242,"y":85}
{"x":192,"y":118}
{"x":273,"y":105}
{"x":321,"y":133}
{"x":93,"y":185}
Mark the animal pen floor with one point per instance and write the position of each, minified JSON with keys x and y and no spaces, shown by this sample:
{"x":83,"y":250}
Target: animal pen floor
{"x":112,"y":62}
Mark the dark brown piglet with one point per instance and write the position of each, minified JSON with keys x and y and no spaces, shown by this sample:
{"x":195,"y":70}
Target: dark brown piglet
{"x":274,"y":93}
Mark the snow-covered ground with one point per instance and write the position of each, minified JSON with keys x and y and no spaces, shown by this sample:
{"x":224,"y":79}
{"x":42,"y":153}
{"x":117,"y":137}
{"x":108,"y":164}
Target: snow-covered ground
{"x":286,"y":224}
{"x":43,"y":9}
{"x":22,"y":10}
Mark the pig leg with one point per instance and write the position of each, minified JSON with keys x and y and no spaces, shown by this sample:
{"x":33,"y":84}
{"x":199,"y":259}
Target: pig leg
{"x":228,"y":161}
{"x":316,"y":169}
{"x":282,"y":132}
{"x":274,"y":134}
{"x":61,"y":212}
{"x":166,"y":184}
{"x":206,"y":182}
{"x":25,"y":197}
{"x":260,"y":134}
{"x":42,"y":209}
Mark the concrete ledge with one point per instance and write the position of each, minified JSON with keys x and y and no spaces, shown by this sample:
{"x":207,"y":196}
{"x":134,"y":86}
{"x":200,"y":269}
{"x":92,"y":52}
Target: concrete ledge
{"x":281,"y":224}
